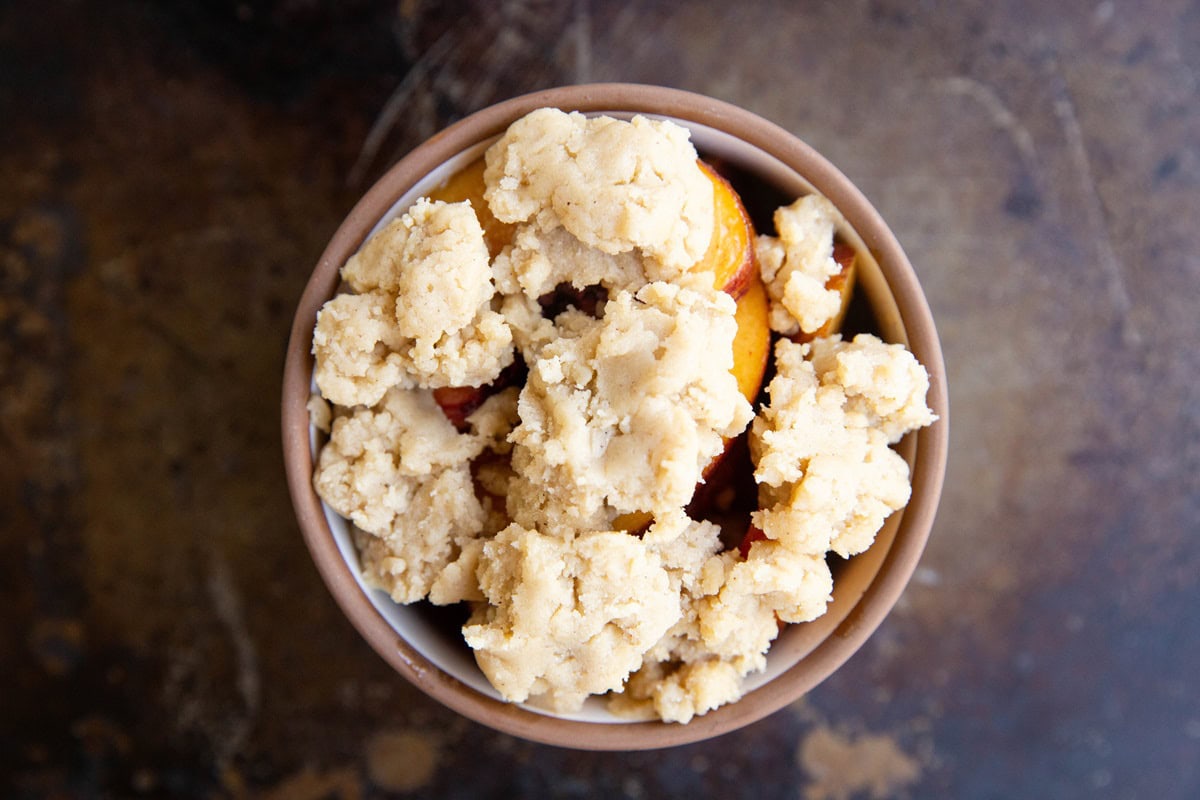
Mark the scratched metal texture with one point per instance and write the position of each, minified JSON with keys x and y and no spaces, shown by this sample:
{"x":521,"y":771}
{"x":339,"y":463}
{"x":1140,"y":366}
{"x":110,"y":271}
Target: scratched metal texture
{"x":169,"y":174}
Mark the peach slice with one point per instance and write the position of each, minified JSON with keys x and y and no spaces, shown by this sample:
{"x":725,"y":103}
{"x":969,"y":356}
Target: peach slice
{"x":730,"y":254}
{"x":753,"y":534}
{"x":458,"y":402}
{"x":752,"y":342}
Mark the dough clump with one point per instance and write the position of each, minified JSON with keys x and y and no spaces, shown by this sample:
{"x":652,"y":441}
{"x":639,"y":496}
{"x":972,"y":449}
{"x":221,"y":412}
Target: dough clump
{"x":797,"y":264}
{"x":615,"y":186}
{"x":420,"y":312}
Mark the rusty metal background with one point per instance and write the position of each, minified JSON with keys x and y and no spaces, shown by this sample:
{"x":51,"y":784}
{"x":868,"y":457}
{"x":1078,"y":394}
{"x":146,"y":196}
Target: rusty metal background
{"x":169,"y":172}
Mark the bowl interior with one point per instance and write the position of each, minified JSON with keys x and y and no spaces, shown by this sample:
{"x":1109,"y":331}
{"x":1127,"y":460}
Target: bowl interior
{"x":431,"y":653}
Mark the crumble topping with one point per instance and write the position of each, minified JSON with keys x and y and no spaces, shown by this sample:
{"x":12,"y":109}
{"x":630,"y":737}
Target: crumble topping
{"x":626,"y":400}
{"x":796,"y":265}
{"x":615,"y":186}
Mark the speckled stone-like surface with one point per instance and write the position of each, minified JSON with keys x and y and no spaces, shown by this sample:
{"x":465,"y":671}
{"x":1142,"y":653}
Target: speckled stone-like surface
{"x":169,"y":174}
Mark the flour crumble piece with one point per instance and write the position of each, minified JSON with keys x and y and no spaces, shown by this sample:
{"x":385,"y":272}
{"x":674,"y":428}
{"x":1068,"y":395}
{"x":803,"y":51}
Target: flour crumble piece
{"x":623,"y":413}
{"x":389,"y":470}
{"x":567,"y":617}
{"x":885,"y":385}
{"x":827,"y":477}
{"x":614,"y":185}
{"x":359,"y":352}
{"x":796,"y":265}
{"x":421,"y":314}
{"x":539,"y":261}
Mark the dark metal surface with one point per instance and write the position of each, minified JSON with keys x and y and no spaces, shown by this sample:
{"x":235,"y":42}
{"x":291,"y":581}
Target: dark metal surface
{"x":170,"y":172}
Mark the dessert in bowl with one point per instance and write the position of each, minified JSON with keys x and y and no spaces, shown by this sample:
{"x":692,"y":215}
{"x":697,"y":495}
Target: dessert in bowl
{"x":537,"y":400}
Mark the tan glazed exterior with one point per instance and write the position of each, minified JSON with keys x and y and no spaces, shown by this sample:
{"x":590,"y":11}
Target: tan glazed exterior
{"x":865,"y":589}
